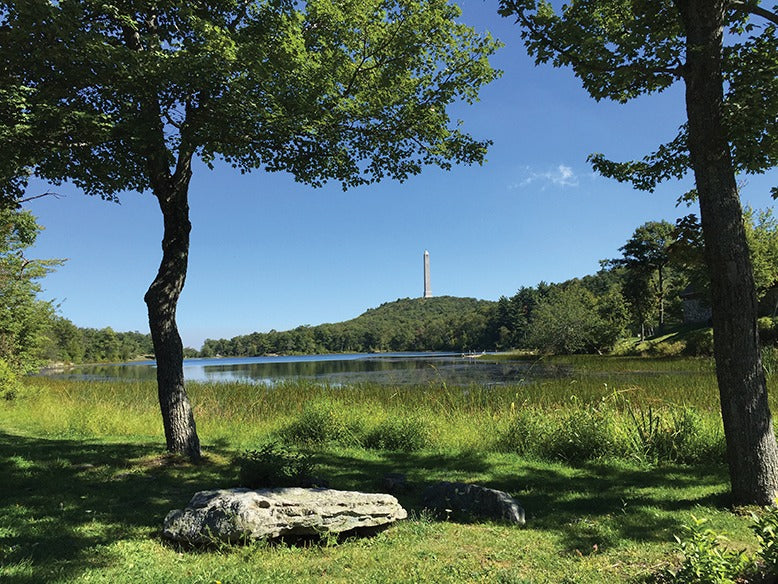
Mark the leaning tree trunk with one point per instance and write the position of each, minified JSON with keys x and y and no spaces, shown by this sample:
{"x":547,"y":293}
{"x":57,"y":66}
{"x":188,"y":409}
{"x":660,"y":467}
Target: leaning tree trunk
{"x":751,"y":447}
{"x":161,"y":300}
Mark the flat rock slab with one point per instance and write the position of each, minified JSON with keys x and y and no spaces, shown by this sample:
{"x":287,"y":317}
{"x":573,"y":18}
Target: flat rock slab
{"x":238,"y":515}
{"x":473,"y":500}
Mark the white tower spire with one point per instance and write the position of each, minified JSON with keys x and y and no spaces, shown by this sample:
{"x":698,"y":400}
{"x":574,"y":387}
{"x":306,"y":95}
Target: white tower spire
{"x":427,"y":287}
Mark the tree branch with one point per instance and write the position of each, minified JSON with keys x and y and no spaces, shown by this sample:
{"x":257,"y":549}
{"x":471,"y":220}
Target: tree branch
{"x":755,"y":10}
{"x":46,"y":194}
{"x":240,"y":16}
{"x":574,"y":56}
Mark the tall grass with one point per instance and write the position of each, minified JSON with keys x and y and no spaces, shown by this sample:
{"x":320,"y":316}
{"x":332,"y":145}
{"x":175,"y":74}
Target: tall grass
{"x":607,"y":521}
{"x":633,"y":408}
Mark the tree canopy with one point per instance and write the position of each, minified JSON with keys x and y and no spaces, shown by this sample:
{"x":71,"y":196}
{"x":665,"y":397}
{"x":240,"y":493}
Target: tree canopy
{"x":104,"y":94}
{"x":623,"y":49}
{"x":23,"y":317}
{"x":645,"y":257}
{"x":124,"y":96}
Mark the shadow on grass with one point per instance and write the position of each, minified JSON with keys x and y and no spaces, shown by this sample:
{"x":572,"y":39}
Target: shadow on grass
{"x":60,"y":500}
{"x":588,"y":507}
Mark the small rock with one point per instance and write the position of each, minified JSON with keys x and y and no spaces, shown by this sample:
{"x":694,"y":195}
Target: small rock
{"x":473,"y":500}
{"x":237,"y":515}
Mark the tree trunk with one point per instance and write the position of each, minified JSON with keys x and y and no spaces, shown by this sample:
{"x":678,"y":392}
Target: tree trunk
{"x":161,"y":300}
{"x":751,"y":447}
{"x":661,"y":300}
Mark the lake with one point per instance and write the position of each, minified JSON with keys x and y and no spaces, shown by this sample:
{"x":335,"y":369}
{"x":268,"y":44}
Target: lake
{"x":383,"y":368}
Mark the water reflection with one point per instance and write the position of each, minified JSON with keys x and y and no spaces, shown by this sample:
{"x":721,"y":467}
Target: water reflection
{"x":384,"y":368}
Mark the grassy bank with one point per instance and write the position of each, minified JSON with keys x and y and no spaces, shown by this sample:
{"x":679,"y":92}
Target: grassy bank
{"x":86,"y":484}
{"x":592,"y":402}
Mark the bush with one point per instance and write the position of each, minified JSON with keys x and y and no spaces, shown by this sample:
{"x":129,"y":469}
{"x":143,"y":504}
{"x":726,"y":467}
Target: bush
{"x":674,"y":436}
{"x":693,"y":441}
{"x":575,"y":435}
{"x":668,"y":349}
{"x":586,"y":433}
{"x":572,"y":319}
{"x":768,"y":330}
{"x":526,"y":434}
{"x":321,"y":423}
{"x":270,"y":466}
{"x":9,"y":383}
{"x":699,"y":343}
{"x":406,"y":434}
{"x":705,"y":561}
{"x":766,"y":530}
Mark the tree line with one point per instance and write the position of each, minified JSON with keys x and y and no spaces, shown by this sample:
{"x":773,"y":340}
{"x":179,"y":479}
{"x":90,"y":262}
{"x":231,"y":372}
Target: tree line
{"x":67,"y":343}
{"x":635,"y":295}
{"x":411,"y":324}
{"x":31,"y":331}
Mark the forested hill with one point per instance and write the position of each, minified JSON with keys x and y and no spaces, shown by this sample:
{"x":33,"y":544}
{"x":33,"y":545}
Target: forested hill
{"x":445,"y":323}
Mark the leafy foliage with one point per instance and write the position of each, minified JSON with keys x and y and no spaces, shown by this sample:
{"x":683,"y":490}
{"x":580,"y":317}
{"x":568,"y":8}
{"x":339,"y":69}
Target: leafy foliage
{"x":762,"y":235}
{"x":766,"y":529}
{"x":9,"y":382}
{"x":571,"y":319}
{"x":705,"y":560}
{"x":23,"y":317}
{"x":353,"y":93}
{"x":401,"y":433}
{"x":274,"y":466}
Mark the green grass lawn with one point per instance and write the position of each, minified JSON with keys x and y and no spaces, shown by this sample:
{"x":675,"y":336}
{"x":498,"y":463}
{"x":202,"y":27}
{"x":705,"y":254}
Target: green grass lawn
{"x":85,"y":485}
{"x":92,"y":510}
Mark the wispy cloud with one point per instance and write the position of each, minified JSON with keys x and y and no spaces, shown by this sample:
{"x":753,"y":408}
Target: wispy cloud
{"x":561,"y":176}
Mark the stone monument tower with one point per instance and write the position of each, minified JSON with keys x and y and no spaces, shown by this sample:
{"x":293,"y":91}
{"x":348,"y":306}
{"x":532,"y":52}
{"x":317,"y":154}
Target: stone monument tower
{"x":427,"y":287}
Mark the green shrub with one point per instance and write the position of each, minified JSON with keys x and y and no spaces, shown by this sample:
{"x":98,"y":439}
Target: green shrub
{"x":766,"y":530}
{"x":693,"y":441}
{"x":406,"y":434}
{"x":768,"y":330}
{"x":705,"y":561}
{"x":321,"y":423}
{"x":647,"y":433}
{"x":9,"y":382}
{"x":668,"y":349}
{"x":527,"y":433}
{"x":271,"y":466}
{"x":672,"y":435}
{"x":585,"y":433}
{"x":699,"y":343}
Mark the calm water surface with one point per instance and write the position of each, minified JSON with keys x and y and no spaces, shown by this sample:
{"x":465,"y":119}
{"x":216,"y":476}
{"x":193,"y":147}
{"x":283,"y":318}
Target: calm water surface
{"x":385,"y":368}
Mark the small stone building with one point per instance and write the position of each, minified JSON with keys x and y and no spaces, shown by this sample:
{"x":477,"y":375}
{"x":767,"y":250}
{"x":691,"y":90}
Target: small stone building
{"x":694,"y":304}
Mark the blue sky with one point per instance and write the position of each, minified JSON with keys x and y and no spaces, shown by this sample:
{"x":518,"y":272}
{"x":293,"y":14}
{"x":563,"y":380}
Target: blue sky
{"x":269,"y":253}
